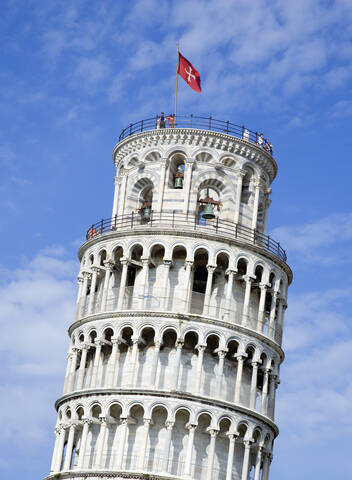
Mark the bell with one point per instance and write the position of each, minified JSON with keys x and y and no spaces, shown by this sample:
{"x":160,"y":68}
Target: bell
{"x":146,"y":213}
{"x":208,"y":212}
{"x":178,"y":182}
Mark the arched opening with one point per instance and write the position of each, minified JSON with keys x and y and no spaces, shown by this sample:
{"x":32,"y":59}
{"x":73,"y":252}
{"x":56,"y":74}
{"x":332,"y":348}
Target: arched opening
{"x":146,"y":348}
{"x":94,"y":430}
{"x":176,"y":171}
{"x":230,"y":370}
{"x":209,"y":200}
{"x":166,"y":359}
{"x":113,"y":434}
{"x":125,"y":346}
{"x":210,"y":378}
{"x":157,"y":438}
{"x":158,"y":279}
{"x":201,"y":446}
{"x":188,"y":361}
{"x":135,"y":433}
{"x":177,"y":294}
{"x":200,"y":276}
{"x":247,"y":185}
{"x":179,"y":440}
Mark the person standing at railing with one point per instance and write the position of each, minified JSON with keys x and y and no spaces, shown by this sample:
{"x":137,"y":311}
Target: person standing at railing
{"x":158,"y":123}
{"x":245,"y":135}
{"x":162,"y":120}
{"x":261,"y":140}
{"x":171,"y":120}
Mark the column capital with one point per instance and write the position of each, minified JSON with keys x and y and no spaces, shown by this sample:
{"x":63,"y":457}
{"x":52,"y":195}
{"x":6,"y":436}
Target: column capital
{"x":221,"y":352}
{"x":190,"y":162}
{"x":99,"y":342}
{"x":147,"y":421}
{"x":167,"y":263}
{"x":103,"y":419}
{"x":108,"y":264}
{"x":211,"y":268}
{"x":135,"y":339}
{"x":87,"y":421}
{"x":124,"y":260}
{"x":263,"y":286}
{"x":157,"y":344}
{"x":240,"y":356}
{"x":179,"y":342}
{"x":68,"y":355}
{"x":115,"y":340}
{"x":80,"y":278}
{"x":145,"y":261}
{"x":200,"y":347}
{"x":169,"y":424}
{"x":190,"y":426}
{"x":255,"y":363}
{"x":86,"y":275}
{"x":248,"y":278}
{"x":247,"y":443}
{"x":189,"y":263}
{"x":212,"y":431}
{"x":241,"y":172}
{"x":231,"y":271}
{"x":231,"y":436}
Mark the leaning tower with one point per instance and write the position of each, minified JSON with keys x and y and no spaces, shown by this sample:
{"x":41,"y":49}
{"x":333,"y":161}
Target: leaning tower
{"x":175,"y":348}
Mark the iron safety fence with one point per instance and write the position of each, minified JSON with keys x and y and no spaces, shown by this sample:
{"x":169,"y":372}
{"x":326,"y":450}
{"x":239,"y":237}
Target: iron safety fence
{"x":188,"y":222}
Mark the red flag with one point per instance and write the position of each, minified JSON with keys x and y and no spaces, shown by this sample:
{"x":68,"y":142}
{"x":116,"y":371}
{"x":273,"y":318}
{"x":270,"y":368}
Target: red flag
{"x":188,"y":73}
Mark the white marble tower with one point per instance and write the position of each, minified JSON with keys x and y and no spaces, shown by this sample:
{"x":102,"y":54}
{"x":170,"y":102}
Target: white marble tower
{"x":175,"y":348}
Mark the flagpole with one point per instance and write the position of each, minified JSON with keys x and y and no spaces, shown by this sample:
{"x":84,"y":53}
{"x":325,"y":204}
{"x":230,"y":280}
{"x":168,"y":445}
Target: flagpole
{"x":178,"y":48}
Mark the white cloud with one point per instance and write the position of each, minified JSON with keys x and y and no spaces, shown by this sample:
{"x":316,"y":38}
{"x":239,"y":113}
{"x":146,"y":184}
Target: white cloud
{"x":37,"y":305}
{"x":331,"y":230}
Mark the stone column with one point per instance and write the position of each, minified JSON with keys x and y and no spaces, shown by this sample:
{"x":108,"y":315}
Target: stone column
{"x":253,"y":393}
{"x":245,"y":465}
{"x":213,"y":434}
{"x":271,"y":399}
{"x":179,"y":345}
{"x":144,"y":285}
{"x":258,"y":463}
{"x":68,"y":371}
{"x":187,"y":183}
{"x":133,"y":360}
{"x":100,"y":443}
{"x":163,"y":164}
{"x":187,"y":284}
{"x":154,"y":365}
{"x":232,"y":440}
{"x":73,"y":369}
{"x":82,"y":366}
{"x":188,"y":462}
{"x":201,"y":349}
{"x":122,"y":288}
{"x":261,"y":310}
{"x":111,"y":377}
{"x":207,"y":296}
{"x":240,"y":360}
{"x":144,"y":442}
{"x":116,"y":196}
{"x":247,"y":296}
{"x":122,"y":194}
{"x":265,"y":392}
{"x":97,"y":359}
{"x":266,"y":466}
{"x":241,"y":174}
{"x":82,"y":448}
{"x":86,"y":277}
{"x":279,"y":320}
{"x":272,"y":315}
{"x":166,"y":269}
{"x":255,"y":206}
{"x":231,"y":274}
{"x":69,"y":447}
{"x":267,"y":205}
{"x":108,"y":271}
{"x":121,"y":450}
{"x":60,"y":448}
{"x":165,"y":466}
{"x":95,"y":272}
{"x":220,"y":370}
{"x":79,"y":293}
{"x":56,"y":445}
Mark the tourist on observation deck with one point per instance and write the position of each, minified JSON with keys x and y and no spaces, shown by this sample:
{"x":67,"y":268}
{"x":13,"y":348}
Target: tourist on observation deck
{"x":245,"y":135}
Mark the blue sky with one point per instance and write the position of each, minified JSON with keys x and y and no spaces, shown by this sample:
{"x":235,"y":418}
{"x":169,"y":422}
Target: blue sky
{"x":73,"y":74}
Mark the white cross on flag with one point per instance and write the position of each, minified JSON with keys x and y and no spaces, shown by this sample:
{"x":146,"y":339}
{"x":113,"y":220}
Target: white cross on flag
{"x":187,"y":71}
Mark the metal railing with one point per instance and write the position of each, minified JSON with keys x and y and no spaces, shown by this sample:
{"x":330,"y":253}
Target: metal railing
{"x":199,"y":123}
{"x":188,"y":222}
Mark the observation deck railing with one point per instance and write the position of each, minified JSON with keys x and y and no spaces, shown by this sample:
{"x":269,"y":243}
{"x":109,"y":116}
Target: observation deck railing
{"x":200,"y":123}
{"x":188,"y":222}
{"x":177,"y":302}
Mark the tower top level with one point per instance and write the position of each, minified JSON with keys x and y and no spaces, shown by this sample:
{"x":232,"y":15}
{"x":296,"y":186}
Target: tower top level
{"x":232,"y":146}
